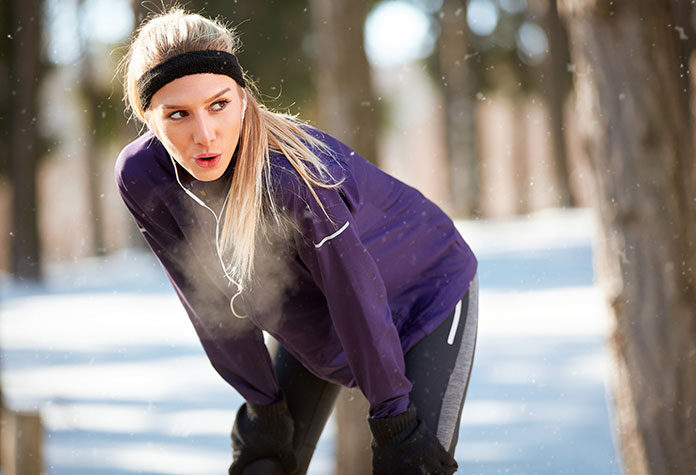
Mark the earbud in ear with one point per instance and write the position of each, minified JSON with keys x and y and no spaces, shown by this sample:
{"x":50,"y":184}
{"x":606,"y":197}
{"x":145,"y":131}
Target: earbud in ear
{"x":149,"y":125}
{"x":244,"y":105}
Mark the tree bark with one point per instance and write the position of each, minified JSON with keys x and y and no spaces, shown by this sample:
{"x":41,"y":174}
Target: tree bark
{"x":89,"y":88}
{"x":346,"y":100}
{"x":353,"y":437}
{"x":555,"y":87}
{"x":520,"y":154}
{"x":24,"y":154}
{"x":460,"y":108}
{"x":6,"y":35}
{"x":21,"y":443}
{"x":637,"y":132}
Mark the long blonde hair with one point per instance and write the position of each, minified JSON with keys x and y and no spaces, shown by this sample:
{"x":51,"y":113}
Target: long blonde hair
{"x":250,"y":205}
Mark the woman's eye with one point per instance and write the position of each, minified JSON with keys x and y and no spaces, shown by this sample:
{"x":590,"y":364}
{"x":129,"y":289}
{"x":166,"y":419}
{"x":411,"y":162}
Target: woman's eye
{"x":177,"y":115}
{"x":219,"y":105}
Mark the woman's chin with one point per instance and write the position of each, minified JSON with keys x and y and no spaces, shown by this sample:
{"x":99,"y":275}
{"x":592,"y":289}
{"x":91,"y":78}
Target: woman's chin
{"x":208,"y":175}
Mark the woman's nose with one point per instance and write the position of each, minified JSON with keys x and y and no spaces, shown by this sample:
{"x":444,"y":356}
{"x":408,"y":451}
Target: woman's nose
{"x":204,"y":132}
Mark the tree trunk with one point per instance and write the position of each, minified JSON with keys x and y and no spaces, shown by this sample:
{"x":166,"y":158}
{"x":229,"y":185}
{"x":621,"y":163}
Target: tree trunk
{"x":21,"y":443}
{"x":353,"y":437}
{"x":90,"y":94}
{"x":520,"y":154}
{"x":346,"y":110}
{"x":460,"y":109}
{"x":24,"y":85}
{"x":555,"y":86}
{"x":346,"y":101}
{"x":6,"y":35}
{"x":637,"y":132}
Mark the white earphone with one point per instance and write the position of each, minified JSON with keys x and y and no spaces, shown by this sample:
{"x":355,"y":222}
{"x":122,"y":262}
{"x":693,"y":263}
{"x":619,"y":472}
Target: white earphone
{"x":228,"y":272}
{"x":244,"y":104}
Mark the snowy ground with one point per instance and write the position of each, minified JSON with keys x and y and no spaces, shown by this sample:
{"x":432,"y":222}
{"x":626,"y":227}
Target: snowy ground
{"x":108,"y":357}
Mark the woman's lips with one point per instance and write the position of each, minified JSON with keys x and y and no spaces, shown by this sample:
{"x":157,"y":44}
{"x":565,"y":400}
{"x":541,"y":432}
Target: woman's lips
{"x":207,"y":160}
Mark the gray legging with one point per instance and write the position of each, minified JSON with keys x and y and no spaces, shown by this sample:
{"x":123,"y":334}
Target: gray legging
{"x":439,"y":366}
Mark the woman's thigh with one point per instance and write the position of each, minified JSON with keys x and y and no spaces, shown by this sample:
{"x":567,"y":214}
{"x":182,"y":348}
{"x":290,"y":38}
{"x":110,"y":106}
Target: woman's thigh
{"x":310,"y":400}
{"x":439,"y":367}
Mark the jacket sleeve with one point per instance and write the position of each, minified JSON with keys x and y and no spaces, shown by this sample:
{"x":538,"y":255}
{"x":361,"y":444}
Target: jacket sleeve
{"x":235,"y":347}
{"x":331,"y":248}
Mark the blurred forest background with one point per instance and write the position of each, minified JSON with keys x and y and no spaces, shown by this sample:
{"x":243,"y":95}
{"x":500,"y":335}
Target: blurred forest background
{"x":492,"y":108}
{"x":464,"y":101}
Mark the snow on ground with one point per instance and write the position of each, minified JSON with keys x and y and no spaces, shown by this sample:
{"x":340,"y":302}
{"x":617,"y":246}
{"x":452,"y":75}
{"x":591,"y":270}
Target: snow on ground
{"x":106,"y":353}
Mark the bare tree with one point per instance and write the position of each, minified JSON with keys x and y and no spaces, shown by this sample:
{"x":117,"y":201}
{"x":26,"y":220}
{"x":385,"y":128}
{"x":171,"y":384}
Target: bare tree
{"x":555,"y":86}
{"x":519,"y":150}
{"x":20,"y":441}
{"x":459,"y":107}
{"x":346,"y":110}
{"x":89,"y":87}
{"x":636,"y":128}
{"x":23,"y":138}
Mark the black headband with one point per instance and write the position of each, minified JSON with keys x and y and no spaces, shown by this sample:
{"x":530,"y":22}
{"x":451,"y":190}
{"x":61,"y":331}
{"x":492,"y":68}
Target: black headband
{"x":192,"y":62}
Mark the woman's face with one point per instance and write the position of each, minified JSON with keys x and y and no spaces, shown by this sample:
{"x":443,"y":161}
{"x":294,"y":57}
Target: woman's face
{"x":198,"y":119}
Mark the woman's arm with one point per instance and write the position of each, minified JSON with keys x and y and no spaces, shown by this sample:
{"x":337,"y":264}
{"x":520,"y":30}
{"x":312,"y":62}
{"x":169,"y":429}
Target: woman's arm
{"x":356,"y":295}
{"x":234,"y":347}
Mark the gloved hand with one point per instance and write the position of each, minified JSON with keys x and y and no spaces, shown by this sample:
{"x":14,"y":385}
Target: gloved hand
{"x":261,"y":432}
{"x":403,"y":445}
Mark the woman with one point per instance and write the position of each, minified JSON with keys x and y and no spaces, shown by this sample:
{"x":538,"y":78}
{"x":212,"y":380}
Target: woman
{"x":262,"y":222}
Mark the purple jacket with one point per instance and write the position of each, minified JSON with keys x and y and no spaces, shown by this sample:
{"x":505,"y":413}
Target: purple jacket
{"x":347,"y":295}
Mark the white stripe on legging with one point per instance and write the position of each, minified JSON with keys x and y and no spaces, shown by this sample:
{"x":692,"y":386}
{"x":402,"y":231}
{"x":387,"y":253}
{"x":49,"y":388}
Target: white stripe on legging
{"x":459,"y":379}
{"x":455,"y":323}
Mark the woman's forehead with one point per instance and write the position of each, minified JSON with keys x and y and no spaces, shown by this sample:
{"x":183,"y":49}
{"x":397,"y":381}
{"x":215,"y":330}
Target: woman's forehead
{"x":193,"y":89}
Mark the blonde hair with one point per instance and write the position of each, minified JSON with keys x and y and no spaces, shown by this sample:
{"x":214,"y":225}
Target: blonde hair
{"x":250,"y":205}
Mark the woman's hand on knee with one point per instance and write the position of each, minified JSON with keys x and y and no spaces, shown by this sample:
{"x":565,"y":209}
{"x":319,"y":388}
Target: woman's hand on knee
{"x":263,"y":432}
{"x":402,"y":444}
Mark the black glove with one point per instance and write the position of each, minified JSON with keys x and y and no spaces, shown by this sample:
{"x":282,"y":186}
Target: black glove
{"x":403,"y":445}
{"x":262,"y":432}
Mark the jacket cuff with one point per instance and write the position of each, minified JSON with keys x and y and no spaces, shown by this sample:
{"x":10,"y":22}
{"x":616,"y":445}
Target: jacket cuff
{"x":269,"y":412}
{"x":390,"y":407}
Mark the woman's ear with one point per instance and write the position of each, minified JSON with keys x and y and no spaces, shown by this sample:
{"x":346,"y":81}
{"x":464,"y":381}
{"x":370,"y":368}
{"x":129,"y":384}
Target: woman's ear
{"x":150,"y":124}
{"x":148,"y":120}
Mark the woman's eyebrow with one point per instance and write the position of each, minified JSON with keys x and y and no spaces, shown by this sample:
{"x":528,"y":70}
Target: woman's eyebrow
{"x":227,"y":89}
